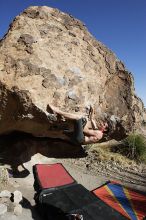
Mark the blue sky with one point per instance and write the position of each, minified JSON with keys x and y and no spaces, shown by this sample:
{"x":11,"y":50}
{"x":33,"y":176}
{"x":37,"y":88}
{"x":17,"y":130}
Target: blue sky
{"x":119,"y":24}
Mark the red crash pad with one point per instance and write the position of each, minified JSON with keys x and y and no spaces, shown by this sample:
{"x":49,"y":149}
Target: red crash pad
{"x":52,"y":175}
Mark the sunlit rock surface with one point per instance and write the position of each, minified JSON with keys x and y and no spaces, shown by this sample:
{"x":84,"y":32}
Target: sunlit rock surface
{"x":48,"y":56}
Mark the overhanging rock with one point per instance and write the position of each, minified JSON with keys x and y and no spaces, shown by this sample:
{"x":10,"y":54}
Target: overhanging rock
{"x":48,"y":56}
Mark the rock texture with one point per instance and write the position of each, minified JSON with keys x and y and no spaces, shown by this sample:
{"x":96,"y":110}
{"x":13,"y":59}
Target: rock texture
{"x":9,"y":203}
{"x":48,"y":56}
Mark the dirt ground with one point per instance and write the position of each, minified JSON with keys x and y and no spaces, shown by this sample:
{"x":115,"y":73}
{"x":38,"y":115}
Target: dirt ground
{"x":89,"y":166}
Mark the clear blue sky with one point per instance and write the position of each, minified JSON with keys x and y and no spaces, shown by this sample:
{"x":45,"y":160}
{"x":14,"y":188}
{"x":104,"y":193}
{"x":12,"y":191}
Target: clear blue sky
{"x":119,"y":24}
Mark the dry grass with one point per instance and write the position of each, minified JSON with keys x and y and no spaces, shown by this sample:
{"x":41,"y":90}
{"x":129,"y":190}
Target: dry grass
{"x":4,"y":177}
{"x":104,"y":153}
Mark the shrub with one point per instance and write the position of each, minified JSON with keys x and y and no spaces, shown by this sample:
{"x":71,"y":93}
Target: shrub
{"x":134,"y":147}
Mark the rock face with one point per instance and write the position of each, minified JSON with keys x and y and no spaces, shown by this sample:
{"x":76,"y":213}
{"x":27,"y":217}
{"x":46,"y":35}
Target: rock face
{"x":48,"y":56}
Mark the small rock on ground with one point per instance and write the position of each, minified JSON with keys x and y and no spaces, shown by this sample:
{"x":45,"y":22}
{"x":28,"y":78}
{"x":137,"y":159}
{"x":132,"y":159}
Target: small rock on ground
{"x":5,"y":193}
{"x":18,"y":209}
{"x":3,"y":209}
{"x":17,"y":196}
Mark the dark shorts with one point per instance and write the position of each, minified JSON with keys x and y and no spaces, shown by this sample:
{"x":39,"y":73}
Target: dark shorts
{"x":77,"y":136}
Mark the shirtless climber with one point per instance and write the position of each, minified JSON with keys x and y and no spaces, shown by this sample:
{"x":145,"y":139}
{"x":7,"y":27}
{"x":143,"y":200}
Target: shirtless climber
{"x":85,"y":129}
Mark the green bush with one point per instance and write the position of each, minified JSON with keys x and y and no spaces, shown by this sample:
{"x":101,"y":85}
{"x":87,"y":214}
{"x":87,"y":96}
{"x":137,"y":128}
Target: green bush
{"x":134,"y":147}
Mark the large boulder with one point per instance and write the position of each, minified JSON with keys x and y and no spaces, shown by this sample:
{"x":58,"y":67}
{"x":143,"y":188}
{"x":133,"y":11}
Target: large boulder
{"x":48,"y":56}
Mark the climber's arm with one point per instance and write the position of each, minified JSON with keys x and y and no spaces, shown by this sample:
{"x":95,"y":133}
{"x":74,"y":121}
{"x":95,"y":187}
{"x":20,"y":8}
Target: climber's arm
{"x":94,"y":126}
{"x":91,"y":114}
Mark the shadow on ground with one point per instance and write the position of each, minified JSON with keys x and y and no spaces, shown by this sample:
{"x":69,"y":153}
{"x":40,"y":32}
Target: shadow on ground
{"x":18,"y":148}
{"x":27,"y":205}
